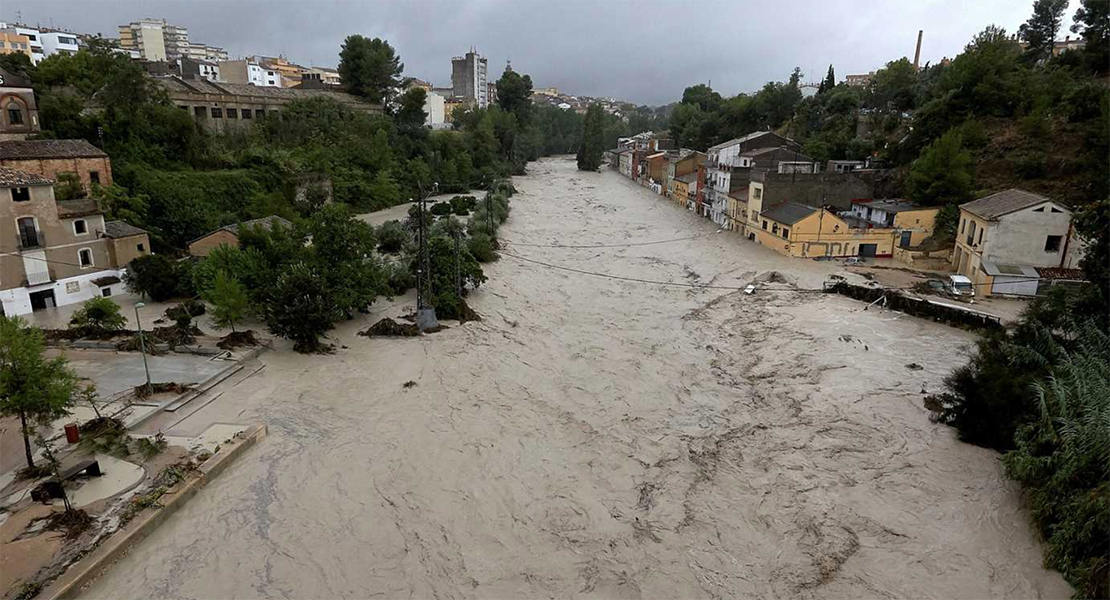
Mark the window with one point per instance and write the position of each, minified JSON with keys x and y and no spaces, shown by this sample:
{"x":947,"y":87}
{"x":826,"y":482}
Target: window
{"x":963,"y":224}
{"x":765,"y":223}
{"x":785,"y":233}
{"x":183,"y":107}
{"x":80,"y":227}
{"x":73,"y":287}
{"x":106,"y":292}
{"x":140,"y":248}
{"x":1056,"y":210}
{"x":85,"y":256}
{"x":971,"y":233}
{"x":1052,"y":243}
{"x":201,"y":112}
{"x":1041,"y":209}
{"x":21,"y":194}
{"x":980,"y":240}
{"x":246,"y":113}
{"x":258,"y":112}
{"x":94,"y":177}
{"x":233,"y":113}
{"x":217,"y":113}
{"x":15,"y":113}
{"x":758,"y":194}
{"x":29,"y":235}
{"x":774,"y":228}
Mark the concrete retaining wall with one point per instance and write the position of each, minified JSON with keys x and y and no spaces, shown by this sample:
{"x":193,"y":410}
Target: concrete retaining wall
{"x":86,"y":570}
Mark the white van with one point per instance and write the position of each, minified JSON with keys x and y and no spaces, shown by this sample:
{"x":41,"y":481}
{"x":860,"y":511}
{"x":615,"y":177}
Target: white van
{"x":958,"y":285}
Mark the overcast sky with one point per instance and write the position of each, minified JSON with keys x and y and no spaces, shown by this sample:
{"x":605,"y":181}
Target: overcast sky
{"x":646,"y":51}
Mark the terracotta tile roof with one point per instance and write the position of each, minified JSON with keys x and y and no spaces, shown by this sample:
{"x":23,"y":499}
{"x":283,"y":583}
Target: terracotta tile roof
{"x":121,"y":229}
{"x":1059,"y":273}
{"x":15,"y":178}
{"x":34,"y":149}
{"x":1003,"y":203}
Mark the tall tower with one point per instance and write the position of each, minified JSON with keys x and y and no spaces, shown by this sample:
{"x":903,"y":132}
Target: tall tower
{"x":469,"y":79}
{"x":917,"y":53}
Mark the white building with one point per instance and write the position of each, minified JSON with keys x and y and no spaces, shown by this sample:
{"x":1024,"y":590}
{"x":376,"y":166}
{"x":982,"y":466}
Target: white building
{"x":434,"y":104}
{"x":198,"y":51}
{"x":55,"y":42}
{"x":32,"y":34}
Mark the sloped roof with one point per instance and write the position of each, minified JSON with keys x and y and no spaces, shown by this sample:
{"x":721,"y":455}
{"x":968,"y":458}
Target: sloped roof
{"x":1003,"y":203}
{"x":264,"y":222}
{"x":203,"y":86}
{"x":688,"y":178}
{"x":741,"y":140}
{"x":35,"y":149}
{"x":788,"y":213}
{"x":15,"y":178}
{"x":120,"y":229}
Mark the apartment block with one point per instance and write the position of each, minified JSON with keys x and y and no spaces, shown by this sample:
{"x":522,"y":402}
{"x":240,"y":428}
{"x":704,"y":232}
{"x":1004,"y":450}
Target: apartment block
{"x":155,"y":39}
{"x":469,"y":80}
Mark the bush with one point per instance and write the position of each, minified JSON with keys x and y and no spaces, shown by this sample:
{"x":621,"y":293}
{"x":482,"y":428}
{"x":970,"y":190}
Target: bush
{"x":400,"y":278}
{"x":462,"y":205}
{"x":100,"y":315}
{"x":481,"y":248}
{"x":159,"y":278}
{"x":447,"y":228}
{"x":391,"y":237}
{"x":440,"y":209}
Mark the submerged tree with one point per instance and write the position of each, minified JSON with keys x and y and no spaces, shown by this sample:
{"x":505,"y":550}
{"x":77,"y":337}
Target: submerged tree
{"x":32,"y":387}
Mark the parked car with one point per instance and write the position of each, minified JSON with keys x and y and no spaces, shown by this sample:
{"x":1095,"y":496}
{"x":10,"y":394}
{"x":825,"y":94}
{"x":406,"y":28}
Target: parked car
{"x":958,"y":285}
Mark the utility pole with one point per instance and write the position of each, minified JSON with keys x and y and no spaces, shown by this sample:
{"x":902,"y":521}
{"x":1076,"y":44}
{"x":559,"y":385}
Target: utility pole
{"x":458,"y":268}
{"x":425,"y":315}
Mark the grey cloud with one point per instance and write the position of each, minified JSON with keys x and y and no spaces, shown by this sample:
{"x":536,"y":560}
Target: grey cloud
{"x":645,"y":52}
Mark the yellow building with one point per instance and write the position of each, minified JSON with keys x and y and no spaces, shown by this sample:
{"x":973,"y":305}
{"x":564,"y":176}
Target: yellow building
{"x":805,"y":232}
{"x":685,"y":188}
{"x":13,"y":43}
{"x":736,"y":209}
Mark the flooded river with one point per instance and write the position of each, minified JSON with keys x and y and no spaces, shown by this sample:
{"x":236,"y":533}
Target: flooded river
{"x":606,"y":438}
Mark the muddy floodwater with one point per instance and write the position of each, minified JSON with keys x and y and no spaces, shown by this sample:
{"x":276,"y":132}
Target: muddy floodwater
{"x":594,"y":437}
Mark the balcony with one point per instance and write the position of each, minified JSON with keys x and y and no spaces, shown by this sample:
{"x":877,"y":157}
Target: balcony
{"x":30,"y":239}
{"x":38,"y":278}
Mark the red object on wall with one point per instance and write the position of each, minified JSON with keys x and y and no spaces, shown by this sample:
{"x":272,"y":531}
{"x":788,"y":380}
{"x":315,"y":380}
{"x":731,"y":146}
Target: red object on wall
{"x":73,"y":435}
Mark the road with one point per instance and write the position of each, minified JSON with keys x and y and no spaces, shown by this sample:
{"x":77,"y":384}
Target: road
{"x":595,"y":437}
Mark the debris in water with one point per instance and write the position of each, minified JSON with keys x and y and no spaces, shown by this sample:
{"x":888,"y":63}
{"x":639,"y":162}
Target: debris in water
{"x":914,"y":367}
{"x":408,"y":384}
{"x":389,"y":328}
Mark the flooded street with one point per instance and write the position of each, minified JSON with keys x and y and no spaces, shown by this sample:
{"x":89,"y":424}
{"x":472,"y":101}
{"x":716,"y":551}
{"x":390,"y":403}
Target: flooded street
{"x":597,"y":437}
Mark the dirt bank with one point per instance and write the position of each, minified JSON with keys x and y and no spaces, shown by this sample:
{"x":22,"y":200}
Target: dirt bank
{"x":600,"y":438}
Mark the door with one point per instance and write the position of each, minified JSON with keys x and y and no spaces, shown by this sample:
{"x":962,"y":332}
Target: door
{"x":906,"y":235}
{"x":868,"y":249}
{"x":42,"y":300}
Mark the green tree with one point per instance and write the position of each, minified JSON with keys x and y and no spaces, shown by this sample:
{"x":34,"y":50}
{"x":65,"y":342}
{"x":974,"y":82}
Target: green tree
{"x":32,"y":387}
{"x":893,"y":85}
{"x":1039,"y":32}
{"x":98,"y":315}
{"x":159,"y":277}
{"x":593,"y":143}
{"x":68,"y":187}
{"x":445,"y":266}
{"x":942,"y":174}
{"x":370,"y":68}
{"x":1092,"y":21}
{"x":411,"y":113}
{"x":828,"y":83}
{"x":229,"y":300}
{"x":514,"y":95}
{"x":300,"y":309}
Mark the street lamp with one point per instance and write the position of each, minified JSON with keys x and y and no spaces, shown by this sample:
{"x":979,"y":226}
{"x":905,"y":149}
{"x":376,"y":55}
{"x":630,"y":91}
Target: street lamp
{"x":142,"y":347}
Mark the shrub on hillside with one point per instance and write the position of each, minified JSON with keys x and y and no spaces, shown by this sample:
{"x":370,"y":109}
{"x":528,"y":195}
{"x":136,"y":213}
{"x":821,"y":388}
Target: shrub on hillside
{"x":481,"y":248}
{"x":391,"y":237}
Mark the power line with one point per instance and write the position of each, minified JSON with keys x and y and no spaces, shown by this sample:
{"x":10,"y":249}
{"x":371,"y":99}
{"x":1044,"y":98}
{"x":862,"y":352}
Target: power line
{"x":702,"y":285}
{"x":626,"y":245}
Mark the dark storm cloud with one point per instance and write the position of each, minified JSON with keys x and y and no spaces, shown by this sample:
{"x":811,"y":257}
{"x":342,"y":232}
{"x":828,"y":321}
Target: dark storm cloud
{"x":646,"y":51}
